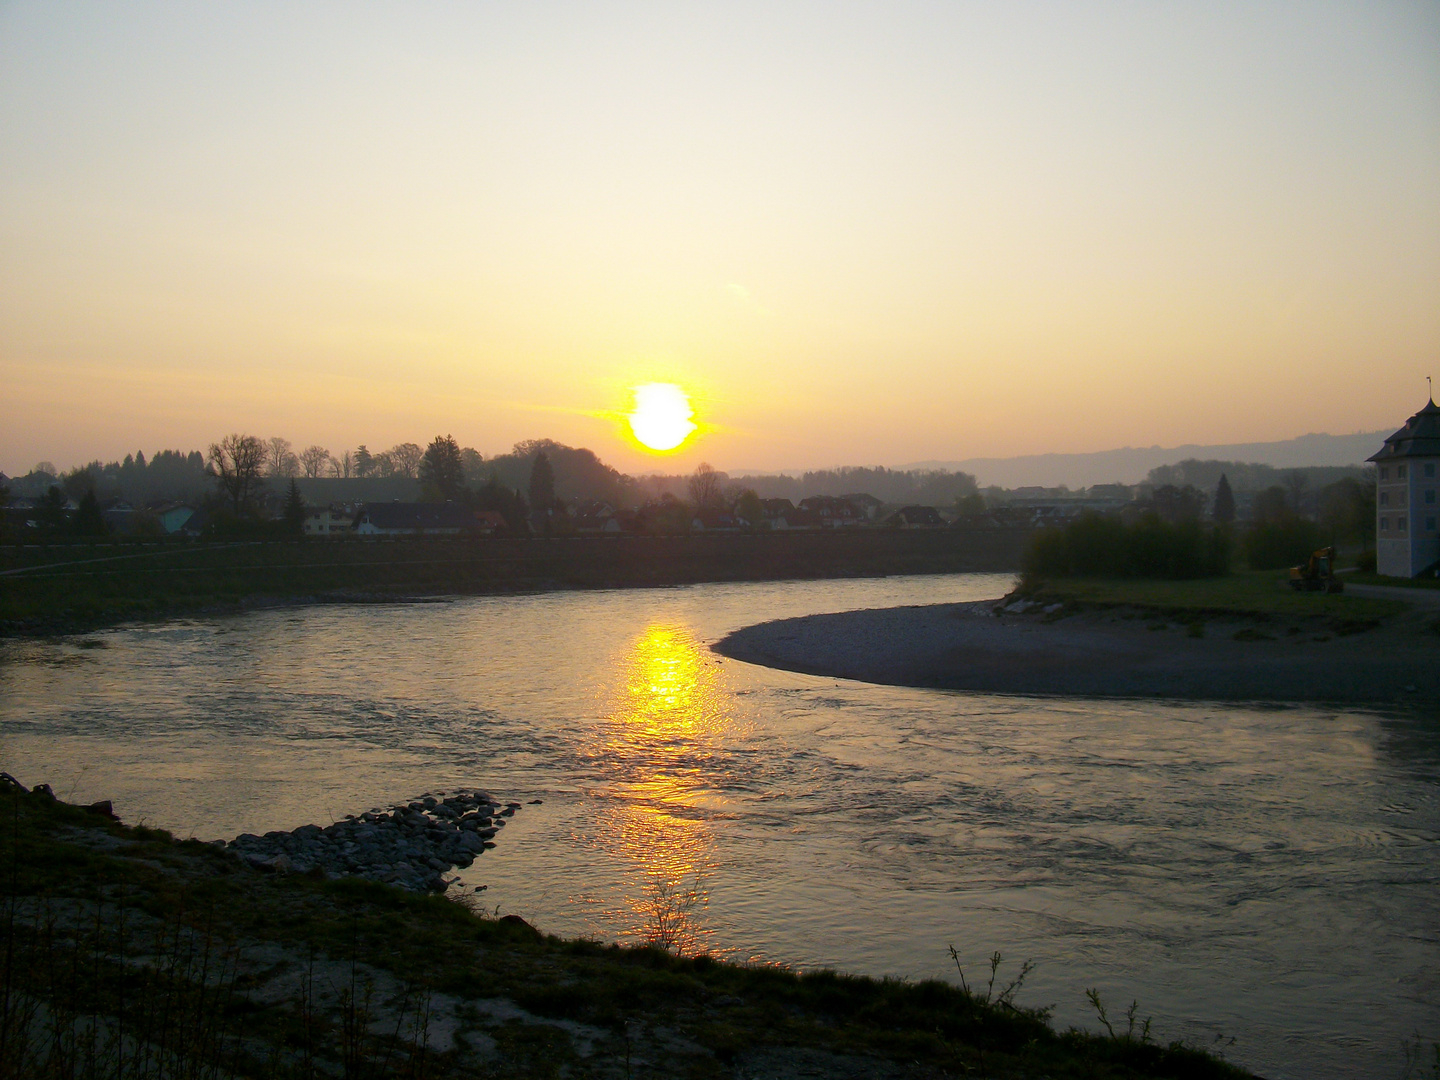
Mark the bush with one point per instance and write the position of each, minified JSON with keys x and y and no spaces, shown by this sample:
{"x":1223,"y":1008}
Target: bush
{"x":1278,"y":544}
{"x":1097,"y":546}
{"x":1365,"y":562}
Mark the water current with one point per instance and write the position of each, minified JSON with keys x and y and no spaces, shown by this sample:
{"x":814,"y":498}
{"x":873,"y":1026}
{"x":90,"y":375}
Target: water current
{"x":1266,"y":875}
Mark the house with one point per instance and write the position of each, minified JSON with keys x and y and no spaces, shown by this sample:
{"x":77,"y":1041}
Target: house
{"x":1407,"y":542}
{"x":916,"y":517}
{"x":173,"y":516}
{"x":716,"y":521}
{"x":868,"y":505}
{"x":490,"y":522}
{"x":329,"y":522}
{"x":415,"y":519}
{"x":833,"y":512}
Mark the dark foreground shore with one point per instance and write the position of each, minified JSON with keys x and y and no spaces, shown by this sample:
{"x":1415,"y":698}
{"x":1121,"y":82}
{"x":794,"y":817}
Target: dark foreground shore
{"x":1112,"y":652}
{"x":125,"y":952}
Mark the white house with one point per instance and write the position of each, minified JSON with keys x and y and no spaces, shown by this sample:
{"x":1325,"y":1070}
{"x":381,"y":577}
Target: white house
{"x":1407,"y":508}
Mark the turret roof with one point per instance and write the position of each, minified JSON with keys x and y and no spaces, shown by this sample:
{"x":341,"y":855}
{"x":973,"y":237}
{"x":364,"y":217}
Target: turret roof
{"x":1420,"y":437}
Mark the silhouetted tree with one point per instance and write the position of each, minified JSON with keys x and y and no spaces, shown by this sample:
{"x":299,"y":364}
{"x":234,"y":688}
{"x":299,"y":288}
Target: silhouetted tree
{"x":542,"y":482}
{"x":1295,"y":484}
{"x":1224,"y":502}
{"x":313,"y":460}
{"x":704,"y":487}
{"x":52,"y":512}
{"x":441,"y":469}
{"x":406,"y":457}
{"x":88,"y":521}
{"x":747,"y":505}
{"x":1177,"y":503}
{"x":364,"y":462}
{"x":1271,"y":506}
{"x":236,"y":462}
{"x":280,"y":460}
{"x":294,"y":513}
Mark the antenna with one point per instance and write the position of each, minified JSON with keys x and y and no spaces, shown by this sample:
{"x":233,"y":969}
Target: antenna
{"x":1432,"y":389}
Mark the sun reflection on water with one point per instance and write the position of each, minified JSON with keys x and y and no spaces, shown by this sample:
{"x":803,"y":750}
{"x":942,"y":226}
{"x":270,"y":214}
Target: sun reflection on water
{"x":666,"y":729}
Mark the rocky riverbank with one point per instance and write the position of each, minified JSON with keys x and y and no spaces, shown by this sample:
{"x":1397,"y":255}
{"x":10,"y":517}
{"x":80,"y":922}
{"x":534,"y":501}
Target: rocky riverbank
{"x":412,"y":845}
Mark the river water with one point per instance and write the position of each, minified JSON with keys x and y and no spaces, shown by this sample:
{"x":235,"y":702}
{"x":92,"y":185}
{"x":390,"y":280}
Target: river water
{"x":1265,"y":875}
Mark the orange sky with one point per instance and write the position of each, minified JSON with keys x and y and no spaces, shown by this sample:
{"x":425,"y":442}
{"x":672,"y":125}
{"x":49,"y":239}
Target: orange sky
{"x":856,"y":233}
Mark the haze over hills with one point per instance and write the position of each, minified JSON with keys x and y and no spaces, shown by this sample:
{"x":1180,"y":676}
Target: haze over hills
{"x":1131,"y":464}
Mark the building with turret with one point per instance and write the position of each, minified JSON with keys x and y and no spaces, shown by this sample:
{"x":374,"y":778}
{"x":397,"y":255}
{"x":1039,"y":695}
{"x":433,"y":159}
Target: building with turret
{"x":1407,"y":508}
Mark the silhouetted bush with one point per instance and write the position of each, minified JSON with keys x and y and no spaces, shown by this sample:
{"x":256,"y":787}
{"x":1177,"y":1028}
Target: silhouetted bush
{"x":1276,"y":544}
{"x":1096,"y":546}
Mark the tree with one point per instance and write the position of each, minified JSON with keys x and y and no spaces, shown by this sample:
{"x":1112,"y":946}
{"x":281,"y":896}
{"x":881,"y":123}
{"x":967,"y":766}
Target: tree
{"x":52,"y":511}
{"x":406,"y":456}
{"x":384,"y":464}
{"x":364,"y":462}
{"x":473,"y":462}
{"x":294,"y":514}
{"x":747,"y":505}
{"x":280,"y":460}
{"x":1224,"y":511}
{"x":1271,"y":506}
{"x":343,"y":467}
{"x":704,"y":487}
{"x":1295,"y":484}
{"x":236,"y":463}
{"x":88,"y":521}
{"x":313,"y":460}
{"x":1177,"y":503}
{"x":442,"y":472}
{"x":542,"y":483}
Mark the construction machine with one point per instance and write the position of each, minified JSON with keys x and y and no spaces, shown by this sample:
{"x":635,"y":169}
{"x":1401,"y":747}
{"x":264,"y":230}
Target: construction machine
{"x":1317,"y":575}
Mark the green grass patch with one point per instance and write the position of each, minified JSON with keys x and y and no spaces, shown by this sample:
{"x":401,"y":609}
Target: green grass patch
{"x":1262,"y":593}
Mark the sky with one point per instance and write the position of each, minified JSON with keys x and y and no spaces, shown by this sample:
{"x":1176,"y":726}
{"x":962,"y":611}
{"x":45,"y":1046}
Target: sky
{"x":853,"y":233}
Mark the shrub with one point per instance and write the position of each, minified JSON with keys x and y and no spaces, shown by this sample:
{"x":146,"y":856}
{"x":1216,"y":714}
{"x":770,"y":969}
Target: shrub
{"x":1097,"y":546}
{"x":1365,"y":562}
{"x":1277,"y":544}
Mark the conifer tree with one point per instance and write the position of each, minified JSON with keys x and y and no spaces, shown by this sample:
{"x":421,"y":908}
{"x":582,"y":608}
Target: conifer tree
{"x":1224,"y":502}
{"x":294,"y":515}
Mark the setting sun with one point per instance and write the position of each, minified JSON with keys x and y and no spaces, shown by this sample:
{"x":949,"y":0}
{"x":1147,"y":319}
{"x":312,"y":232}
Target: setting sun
{"x":661,"y":419}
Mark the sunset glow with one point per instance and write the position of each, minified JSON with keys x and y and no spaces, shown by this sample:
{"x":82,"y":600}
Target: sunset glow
{"x":662,"y":417}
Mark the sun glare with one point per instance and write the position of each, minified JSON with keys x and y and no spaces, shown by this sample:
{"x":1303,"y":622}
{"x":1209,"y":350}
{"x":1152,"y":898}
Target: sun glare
{"x":661,"y":419}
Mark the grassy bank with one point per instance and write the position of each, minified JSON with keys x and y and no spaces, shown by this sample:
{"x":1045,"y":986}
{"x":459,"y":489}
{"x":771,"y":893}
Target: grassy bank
{"x":57,"y":589}
{"x":1262,"y":594}
{"x":129,"y":953}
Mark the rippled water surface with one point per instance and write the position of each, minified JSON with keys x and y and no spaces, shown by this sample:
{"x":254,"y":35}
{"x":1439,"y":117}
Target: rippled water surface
{"x":1263,"y":874}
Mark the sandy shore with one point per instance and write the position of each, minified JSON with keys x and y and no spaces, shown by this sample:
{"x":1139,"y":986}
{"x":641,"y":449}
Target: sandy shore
{"x":1111,"y":653}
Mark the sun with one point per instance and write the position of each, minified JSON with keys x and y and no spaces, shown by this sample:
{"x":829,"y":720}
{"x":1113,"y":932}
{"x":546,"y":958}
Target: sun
{"x":661,"y":418}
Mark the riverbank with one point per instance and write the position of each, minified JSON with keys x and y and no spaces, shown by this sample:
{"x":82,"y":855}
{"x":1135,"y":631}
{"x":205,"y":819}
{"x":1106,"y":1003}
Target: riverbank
{"x":77,"y":588}
{"x":187,"y":958}
{"x":1373,"y":651}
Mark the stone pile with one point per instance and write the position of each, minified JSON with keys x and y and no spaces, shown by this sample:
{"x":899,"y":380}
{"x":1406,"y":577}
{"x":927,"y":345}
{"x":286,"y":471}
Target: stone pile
{"x":411,"y":845}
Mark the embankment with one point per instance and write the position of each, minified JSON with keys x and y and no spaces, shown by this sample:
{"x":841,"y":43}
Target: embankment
{"x":59,"y":589}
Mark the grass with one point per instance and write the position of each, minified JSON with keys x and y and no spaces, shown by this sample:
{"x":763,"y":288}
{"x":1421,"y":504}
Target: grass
{"x":1256,"y":593}
{"x":130,"y":954}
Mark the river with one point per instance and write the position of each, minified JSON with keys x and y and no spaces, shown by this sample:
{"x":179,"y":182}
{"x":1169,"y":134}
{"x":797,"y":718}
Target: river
{"x":1266,"y":875}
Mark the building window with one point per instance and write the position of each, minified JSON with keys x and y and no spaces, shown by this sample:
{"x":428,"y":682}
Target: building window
{"x":1400,"y":523}
{"x":1430,"y":497}
{"x":1399,"y":472}
{"x":1429,"y":524}
{"x":1384,"y":473}
{"x":1384,"y":524}
{"x":1429,"y":470}
{"x":1384,"y":498}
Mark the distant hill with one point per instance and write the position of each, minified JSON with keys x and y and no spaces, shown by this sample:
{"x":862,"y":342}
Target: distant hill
{"x":1132,"y":464}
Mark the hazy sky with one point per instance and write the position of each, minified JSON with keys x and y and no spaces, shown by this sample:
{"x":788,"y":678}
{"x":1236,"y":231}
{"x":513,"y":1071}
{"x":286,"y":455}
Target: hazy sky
{"x":856,"y":233}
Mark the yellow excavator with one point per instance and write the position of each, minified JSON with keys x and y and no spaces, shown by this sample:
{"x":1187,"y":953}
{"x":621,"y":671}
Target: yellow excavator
{"x":1317,"y":575}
